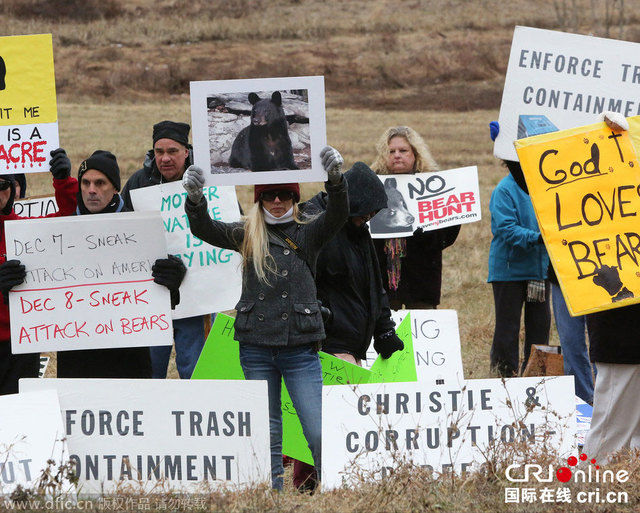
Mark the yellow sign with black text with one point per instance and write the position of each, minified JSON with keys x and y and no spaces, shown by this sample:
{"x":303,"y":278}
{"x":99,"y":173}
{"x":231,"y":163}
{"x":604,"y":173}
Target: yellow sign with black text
{"x":585,"y":189}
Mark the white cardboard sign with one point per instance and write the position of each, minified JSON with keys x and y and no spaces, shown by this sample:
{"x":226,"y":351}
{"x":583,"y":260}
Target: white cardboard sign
{"x":436,"y":345}
{"x":224,"y":127}
{"x":557,"y":80}
{"x":202,"y":434}
{"x":35,"y":207}
{"x":88,"y":283}
{"x":30,"y":434}
{"x":213,"y":281}
{"x":427,"y":200}
{"x":368,"y":430}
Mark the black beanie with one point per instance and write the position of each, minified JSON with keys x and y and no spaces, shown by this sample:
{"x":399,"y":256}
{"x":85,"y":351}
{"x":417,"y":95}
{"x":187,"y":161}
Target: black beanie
{"x":106,"y":163}
{"x":179,"y":132}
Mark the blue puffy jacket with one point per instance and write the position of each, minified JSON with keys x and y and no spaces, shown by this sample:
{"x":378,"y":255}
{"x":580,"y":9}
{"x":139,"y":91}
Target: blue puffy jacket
{"x":516,"y":253}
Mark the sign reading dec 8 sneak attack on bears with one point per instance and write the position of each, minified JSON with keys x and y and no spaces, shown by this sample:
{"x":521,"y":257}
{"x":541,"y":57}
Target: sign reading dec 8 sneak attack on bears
{"x":429,"y":201}
{"x":28,"y":111}
{"x":134,"y":435}
{"x":557,"y":80}
{"x":88,"y":283}
{"x":584,"y":188}
{"x":369,"y":430}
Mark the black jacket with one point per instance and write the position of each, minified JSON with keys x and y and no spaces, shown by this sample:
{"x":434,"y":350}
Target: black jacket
{"x":347,"y":276}
{"x":120,"y":362}
{"x":421,"y":267}
{"x":614,"y":335}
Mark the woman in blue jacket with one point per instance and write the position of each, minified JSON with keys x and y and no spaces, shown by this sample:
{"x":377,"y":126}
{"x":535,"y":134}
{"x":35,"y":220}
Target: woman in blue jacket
{"x":518,"y":264}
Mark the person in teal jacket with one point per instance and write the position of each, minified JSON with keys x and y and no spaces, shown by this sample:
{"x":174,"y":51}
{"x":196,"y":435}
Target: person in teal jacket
{"x":518,"y":264}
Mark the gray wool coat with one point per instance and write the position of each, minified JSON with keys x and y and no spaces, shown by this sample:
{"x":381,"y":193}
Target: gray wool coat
{"x":285,"y":312}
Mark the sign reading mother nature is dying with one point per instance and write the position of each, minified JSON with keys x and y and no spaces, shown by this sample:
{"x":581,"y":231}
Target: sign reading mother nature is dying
{"x":88,"y":283}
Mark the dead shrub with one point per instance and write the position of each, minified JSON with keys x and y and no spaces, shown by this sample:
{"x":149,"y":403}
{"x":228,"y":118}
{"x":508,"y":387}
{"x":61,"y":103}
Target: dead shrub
{"x":76,"y":10}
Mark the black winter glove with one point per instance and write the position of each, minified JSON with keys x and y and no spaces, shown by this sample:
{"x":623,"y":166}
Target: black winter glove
{"x":387,"y":343}
{"x":12,"y":273}
{"x":170,"y":273}
{"x":60,"y":164}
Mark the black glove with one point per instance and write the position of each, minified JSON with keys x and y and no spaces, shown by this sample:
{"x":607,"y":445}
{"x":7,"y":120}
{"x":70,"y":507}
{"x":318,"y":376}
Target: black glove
{"x":387,"y":343}
{"x":170,"y":273}
{"x":12,"y":273}
{"x":60,"y":164}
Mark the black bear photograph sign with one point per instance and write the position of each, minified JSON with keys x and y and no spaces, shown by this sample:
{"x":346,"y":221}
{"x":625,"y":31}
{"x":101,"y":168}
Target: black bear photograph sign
{"x":259,"y":130}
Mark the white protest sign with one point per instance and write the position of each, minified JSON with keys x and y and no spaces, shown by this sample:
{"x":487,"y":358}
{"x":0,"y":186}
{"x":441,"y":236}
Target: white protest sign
{"x":213,"y":281}
{"x":436,"y":345}
{"x":88,"y":283}
{"x":256,"y":131}
{"x":202,"y":433}
{"x":557,"y":80}
{"x":368,"y":430}
{"x":31,"y":433}
{"x":28,"y":112}
{"x":427,"y":200}
{"x":35,"y":207}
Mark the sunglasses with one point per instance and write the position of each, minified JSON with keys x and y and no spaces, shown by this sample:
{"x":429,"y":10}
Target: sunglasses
{"x":4,"y":185}
{"x":272,"y":195}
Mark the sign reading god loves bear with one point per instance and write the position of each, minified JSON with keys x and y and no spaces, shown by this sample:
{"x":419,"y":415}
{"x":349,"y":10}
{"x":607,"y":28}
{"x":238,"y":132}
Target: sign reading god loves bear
{"x":557,"y":80}
{"x":584,"y":188}
{"x":161,"y":435}
{"x":28,"y":111}
{"x":369,"y":430}
{"x":206,"y":264}
{"x":427,"y":200}
{"x":88,"y":283}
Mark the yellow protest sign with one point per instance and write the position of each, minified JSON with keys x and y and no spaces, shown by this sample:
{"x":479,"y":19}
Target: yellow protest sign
{"x":29,"y":92}
{"x":585,"y":188}
{"x":28,"y":110}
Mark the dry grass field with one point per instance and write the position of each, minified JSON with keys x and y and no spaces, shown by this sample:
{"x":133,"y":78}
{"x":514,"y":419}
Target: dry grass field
{"x":435,"y":65}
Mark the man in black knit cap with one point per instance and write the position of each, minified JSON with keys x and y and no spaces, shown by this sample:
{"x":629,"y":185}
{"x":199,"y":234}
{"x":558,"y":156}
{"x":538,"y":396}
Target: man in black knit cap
{"x":166,"y":162}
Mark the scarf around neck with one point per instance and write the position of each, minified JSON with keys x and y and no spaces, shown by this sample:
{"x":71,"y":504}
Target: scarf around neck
{"x":285,"y":218}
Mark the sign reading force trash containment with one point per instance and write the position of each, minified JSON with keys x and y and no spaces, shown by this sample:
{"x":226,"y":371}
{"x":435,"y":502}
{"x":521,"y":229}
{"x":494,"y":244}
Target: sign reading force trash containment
{"x":584,"y":188}
{"x":557,"y":80}
{"x":206,"y":264}
{"x":88,"y":283}
{"x":427,"y":200}
{"x":368,"y":430}
{"x":200,"y":435}
{"x":30,"y":434}
{"x":28,"y":110}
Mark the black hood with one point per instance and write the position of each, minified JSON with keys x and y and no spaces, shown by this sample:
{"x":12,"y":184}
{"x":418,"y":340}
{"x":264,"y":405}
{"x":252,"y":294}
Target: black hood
{"x":516,"y":171}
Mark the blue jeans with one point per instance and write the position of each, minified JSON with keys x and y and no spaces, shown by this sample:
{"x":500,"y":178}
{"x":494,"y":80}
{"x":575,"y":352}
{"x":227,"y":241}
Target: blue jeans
{"x":300,"y":368}
{"x":571,"y":331}
{"x":188,"y":334}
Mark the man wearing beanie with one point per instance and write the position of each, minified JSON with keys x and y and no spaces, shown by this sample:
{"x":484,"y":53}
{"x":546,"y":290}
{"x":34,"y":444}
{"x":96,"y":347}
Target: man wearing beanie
{"x":98,"y":193}
{"x":167,"y":162}
{"x":12,"y":272}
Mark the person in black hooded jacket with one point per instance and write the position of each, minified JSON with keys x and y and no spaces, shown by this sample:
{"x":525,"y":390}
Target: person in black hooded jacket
{"x":348,"y":276}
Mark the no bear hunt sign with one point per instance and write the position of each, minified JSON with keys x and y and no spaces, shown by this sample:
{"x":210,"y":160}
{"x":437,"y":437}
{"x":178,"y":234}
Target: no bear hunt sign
{"x":427,"y":200}
{"x":584,"y":188}
{"x":258,"y":131}
{"x":28,"y":111}
{"x":557,"y":80}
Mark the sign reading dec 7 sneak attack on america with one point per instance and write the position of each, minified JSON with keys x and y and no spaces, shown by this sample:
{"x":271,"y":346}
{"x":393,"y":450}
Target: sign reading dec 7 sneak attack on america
{"x":88,"y":283}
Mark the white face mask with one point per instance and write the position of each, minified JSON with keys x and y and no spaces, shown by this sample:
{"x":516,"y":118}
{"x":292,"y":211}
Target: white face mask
{"x":284,"y":218}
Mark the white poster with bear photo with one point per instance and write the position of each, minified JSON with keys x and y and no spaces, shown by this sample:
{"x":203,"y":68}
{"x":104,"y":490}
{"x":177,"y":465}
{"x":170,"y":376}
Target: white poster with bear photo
{"x":259,"y":131}
{"x":213,"y":280}
{"x":556,"y":80}
{"x":429,"y":201}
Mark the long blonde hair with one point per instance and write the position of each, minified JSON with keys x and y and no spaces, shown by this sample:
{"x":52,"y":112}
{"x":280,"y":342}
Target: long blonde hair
{"x":424,"y":159}
{"x":255,"y":244}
